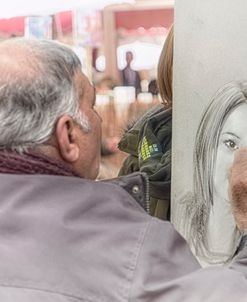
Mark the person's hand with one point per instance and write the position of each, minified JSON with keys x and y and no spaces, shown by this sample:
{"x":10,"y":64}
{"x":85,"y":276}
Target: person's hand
{"x":238,"y":188}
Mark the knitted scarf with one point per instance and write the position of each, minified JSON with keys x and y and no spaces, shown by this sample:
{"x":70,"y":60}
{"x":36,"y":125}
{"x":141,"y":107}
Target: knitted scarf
{"x":32,"y":163}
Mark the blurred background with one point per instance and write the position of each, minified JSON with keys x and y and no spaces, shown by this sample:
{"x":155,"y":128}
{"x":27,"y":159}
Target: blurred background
{"x":110,"y":37}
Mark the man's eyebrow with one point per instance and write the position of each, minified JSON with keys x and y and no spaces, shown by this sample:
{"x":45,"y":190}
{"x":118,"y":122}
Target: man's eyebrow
{"x":232,"y":134}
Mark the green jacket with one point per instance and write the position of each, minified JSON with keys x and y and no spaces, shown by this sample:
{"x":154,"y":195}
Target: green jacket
{"x":148,"y":143}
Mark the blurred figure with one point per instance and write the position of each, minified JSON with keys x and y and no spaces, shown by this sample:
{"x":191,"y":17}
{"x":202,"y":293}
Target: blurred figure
{"x":148,"y":141}
{"x":153,"y":87}
{"x":165,"y":70}
{"x":130,"y":77}
{"x":105,"y":84}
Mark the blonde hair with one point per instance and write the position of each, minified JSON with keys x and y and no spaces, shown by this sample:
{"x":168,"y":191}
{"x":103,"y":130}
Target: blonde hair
{"x":164,"y":75}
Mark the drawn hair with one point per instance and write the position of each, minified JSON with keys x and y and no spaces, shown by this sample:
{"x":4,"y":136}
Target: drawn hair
{"x":198,"y":206}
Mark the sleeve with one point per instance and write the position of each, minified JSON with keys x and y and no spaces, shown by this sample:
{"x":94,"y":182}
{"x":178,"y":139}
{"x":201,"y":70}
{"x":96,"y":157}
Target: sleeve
{"x":164,"y":256}
{"x":239,"y":263}
{"x":166,"y":270}
{"x":20,"y":294}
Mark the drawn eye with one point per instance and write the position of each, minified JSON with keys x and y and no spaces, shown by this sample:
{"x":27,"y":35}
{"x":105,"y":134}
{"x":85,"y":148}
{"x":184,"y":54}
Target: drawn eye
{"x":231,"y":144}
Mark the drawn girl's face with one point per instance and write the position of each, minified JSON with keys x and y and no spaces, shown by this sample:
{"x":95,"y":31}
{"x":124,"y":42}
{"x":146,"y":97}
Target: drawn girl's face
{"x":232,"y":137}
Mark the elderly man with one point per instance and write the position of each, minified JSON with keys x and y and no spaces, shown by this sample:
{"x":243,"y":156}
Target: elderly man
{"x":63,"y":236}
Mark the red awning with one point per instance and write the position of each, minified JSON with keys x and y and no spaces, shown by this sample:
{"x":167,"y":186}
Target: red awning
{"x":15,"y":26}
{"x":144,"y":18}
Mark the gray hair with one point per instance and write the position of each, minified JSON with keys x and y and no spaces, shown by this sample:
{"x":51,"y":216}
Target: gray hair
{"x":36,"y":88}
{"x":201,"y":201}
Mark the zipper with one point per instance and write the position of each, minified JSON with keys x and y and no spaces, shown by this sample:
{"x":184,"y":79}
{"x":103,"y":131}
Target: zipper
{"x":134,"y":189}
{"x":146,"y":193}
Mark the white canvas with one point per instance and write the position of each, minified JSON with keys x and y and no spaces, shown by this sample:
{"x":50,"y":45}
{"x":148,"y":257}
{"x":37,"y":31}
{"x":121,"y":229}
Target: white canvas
{"x":210,"y":51}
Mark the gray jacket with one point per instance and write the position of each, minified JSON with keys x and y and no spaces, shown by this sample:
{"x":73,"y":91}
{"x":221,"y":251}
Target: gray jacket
{"x":65,"y":239}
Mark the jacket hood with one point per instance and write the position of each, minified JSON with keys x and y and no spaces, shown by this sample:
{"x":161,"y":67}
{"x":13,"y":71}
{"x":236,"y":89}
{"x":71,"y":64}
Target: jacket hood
{"x":130,"y":140}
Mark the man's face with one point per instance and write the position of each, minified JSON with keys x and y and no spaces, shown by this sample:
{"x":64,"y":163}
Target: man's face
{"x":90,"y":142}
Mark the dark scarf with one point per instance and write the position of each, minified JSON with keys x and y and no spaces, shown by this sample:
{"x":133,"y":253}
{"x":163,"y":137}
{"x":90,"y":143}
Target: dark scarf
{"x":32,"y":163}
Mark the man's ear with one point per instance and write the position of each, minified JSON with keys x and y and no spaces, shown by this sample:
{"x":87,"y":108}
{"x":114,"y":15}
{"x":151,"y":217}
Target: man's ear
{"x":66,"y":137}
